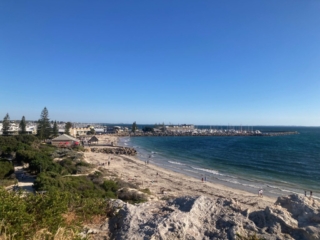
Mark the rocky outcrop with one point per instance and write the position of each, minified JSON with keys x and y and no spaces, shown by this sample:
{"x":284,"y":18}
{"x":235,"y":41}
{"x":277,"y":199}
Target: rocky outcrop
{"x":116,"y":150}
{"x":292,"y":217}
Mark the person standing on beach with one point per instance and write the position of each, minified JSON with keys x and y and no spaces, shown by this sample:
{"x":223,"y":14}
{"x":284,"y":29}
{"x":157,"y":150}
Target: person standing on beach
{"x":310,"y":193}
{"x":305,"y":193}
{"x":202,"y":179}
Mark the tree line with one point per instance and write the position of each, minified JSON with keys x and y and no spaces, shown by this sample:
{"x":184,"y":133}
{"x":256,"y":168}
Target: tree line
{"x":44,"y":128}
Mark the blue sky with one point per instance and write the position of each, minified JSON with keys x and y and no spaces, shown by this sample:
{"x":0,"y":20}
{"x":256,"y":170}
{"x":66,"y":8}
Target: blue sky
{"x":202,"y":62}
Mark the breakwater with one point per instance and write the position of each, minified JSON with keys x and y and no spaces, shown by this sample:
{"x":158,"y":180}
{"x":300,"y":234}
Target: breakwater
{"x":202,"y":134}
{"x":115,"y":150}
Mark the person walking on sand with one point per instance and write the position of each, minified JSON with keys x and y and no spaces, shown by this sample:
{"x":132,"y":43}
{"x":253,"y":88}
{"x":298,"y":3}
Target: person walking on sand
{"x":310,"y":193}
{"x":305,"y":193}
{"x":202,"y":179}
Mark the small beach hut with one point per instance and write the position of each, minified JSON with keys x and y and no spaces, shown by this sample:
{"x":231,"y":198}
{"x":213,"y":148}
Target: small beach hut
{"x":94,"y":140}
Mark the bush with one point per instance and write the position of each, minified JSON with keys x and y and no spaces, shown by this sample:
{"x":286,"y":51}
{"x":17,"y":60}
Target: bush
{"x":110,"y":187}
{"x":131,"y":196}
{"x":40,"y":216}
{"x":69,"y":166}
{"x":123,"y":184}
{"x":6,"y":169}
{"x":22,"y":217}
{"x":25,"y":156}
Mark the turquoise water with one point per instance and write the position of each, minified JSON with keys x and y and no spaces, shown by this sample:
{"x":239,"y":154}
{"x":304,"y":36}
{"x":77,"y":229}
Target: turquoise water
{"x":280,"y":165}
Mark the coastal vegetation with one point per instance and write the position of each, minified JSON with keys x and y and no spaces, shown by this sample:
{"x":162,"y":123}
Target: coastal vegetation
{"x":134,"y":127}
{"x":6,"y":124}
{"x":44,"y":127}
{"x":65,"y":185}
{"x":23,"y":125}
{"x":67,"y":128}
{"x":147,"y":129}
{"x":55,"y":130}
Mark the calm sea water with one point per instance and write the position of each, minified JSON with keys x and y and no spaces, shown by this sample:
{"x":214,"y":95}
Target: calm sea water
{"x":280,"y":165}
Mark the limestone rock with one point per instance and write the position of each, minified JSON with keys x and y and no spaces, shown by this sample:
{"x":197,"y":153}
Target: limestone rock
{"x":116,"y":150}
{"x":292,"y":217}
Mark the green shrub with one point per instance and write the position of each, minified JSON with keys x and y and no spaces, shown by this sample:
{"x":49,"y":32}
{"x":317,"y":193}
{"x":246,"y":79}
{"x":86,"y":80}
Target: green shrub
{"x":6,"y":169}
{"x":69,"y":166}
{"x":23,"y":217}
{"x":110,"y":187}
{"x":25,"y":155}
{"x":131,"y":196}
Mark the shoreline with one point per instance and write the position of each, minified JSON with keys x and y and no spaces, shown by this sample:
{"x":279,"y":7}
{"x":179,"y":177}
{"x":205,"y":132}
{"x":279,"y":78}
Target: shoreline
{"x":164,"y":183}
{"x":273,"y":188}
{"x":174,"y":183}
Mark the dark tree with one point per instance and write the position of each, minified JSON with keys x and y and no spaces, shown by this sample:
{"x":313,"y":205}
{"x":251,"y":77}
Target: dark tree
{"x":134,"y":127}
{"x":44,"y":127}
{"x":23,"y":125}
{"x":67,"y":128}
{"x":147,"y":129}
{"x":91,"y":132}
{"x":55,"y":129}
{"x":163,"y":127}
{"x":6,"y":125}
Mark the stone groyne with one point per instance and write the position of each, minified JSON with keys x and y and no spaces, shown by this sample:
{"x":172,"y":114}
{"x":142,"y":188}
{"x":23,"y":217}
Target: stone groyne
{"x":116,"y":150}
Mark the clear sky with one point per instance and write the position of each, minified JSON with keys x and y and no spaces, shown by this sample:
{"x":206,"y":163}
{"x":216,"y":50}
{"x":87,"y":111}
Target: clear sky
{"x":202,"y":62}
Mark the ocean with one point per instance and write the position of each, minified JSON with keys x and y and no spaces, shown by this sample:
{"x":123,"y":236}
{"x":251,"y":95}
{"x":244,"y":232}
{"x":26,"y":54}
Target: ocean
{"x":279,"y":165}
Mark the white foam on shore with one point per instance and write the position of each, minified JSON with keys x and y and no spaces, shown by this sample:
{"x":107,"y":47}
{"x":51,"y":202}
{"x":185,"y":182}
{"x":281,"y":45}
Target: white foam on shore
{"x":177,"y":163}
{"x":250,"y":185}
{"x":208,"y":170}
{"x":188,"y":170}
{"x":284,"y":190}
{"x":230,"y":181}
{"x":274,"y":187}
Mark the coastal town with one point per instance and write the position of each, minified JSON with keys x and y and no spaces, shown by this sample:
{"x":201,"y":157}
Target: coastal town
{"x":82,"y":129}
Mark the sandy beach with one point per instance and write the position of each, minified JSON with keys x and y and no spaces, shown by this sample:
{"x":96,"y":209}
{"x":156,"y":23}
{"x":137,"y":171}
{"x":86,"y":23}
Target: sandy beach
{"x":164,"y":183}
